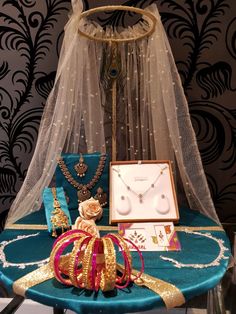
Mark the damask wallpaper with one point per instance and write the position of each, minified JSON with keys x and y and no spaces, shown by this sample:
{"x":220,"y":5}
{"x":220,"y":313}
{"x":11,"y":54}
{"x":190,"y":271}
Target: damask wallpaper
{"x":202,"y":34}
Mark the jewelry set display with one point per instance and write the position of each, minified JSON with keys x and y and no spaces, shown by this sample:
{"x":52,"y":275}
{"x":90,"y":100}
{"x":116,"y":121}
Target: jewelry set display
{"x":84,"y":189}
{"x":142,"y":191}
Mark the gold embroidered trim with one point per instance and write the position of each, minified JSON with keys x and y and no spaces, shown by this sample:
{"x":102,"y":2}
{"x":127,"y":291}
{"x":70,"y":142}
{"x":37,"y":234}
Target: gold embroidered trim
{"x":26,"y":227}
{"x":107,"y":228}
{"x":31,"y":279}
{"x":200,"y":228}
{"x":169,"y":293}
{"x":111,"y":228}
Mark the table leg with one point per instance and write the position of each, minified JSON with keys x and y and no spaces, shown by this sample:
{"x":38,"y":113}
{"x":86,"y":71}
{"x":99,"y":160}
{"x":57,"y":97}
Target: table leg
{"x":58,"y":311}
{"x":13,"y":305}
{"x":215,"y":301}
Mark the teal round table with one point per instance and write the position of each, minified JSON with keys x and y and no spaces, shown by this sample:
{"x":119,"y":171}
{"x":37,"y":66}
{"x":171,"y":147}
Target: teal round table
{"x":24,"y":245}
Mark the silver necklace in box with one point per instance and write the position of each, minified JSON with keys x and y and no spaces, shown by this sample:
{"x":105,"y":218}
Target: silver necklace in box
{"x":139,"y":195}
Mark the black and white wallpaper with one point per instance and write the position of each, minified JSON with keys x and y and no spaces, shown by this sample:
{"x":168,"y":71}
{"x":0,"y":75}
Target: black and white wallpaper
{"x":202,"y":35}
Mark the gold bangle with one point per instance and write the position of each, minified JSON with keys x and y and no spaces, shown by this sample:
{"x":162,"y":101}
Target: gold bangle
{"x":108,"y":275}
{"x":73,"y":256}
{"x":87,"y":264}
{"x":150,"y":18}
{"x":54,"y":253}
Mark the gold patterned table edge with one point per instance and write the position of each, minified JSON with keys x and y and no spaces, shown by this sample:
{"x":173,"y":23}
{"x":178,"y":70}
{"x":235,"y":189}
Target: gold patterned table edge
{"x":111,"y":228}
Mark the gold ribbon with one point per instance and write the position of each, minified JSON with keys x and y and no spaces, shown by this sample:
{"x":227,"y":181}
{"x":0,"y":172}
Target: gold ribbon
{"x":45,"y":227}
{"x":170,"y":294}
{"x":201,"y":228}
{"x":113,"y":228}
{"x":33,"y":278}
{"x":26,"y":227}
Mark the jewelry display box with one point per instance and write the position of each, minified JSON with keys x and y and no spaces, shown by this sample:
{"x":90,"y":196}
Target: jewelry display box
{"x":142,"y":191}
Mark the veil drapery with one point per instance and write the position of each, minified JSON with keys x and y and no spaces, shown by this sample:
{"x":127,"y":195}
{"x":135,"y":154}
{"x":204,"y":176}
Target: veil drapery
{"x":153,"y":120}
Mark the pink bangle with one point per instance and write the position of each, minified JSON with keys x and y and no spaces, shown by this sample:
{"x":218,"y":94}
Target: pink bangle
{"x":94,"y":264}
{"x":141,"y":259}
{"x":68,"y":233}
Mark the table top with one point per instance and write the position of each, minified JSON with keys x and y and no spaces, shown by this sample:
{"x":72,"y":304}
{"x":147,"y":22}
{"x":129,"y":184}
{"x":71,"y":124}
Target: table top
{"x":28,"y":242}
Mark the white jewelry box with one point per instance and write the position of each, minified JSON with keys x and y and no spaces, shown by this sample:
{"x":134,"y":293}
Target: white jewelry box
{"x":142,"y":191}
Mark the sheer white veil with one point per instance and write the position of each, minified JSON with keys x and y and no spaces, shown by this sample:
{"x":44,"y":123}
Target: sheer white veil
{"x":152,"y":112}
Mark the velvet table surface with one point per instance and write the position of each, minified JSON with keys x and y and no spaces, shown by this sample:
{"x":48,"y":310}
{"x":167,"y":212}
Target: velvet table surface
{"x":20,"y":255}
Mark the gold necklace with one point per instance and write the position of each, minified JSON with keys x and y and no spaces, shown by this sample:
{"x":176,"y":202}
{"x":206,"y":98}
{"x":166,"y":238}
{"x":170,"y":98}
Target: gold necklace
{"x":58,"y":219}
{"x":139,"y":195}
{"x":83,"y":189}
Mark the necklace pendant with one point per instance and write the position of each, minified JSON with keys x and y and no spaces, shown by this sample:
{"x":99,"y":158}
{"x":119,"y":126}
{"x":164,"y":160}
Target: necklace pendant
{"x":81,"y":168}
{"x":140,"y":198}
{"x":83,"y":194}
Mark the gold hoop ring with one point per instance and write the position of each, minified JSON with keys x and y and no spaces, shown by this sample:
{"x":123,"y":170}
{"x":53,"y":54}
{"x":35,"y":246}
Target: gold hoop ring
{"x":150,"y":17}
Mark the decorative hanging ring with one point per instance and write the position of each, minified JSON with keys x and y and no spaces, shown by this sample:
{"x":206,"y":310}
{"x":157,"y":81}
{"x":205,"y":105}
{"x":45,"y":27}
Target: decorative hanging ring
{"x":149,"y":17}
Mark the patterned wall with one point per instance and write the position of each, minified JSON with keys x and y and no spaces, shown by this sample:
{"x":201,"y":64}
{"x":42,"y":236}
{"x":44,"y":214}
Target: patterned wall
{"x":202,"y":34}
